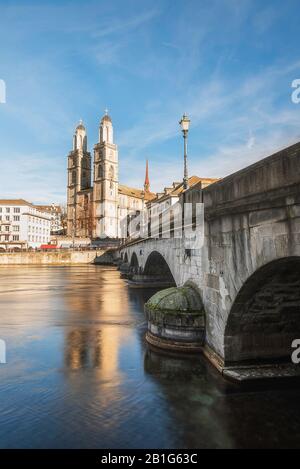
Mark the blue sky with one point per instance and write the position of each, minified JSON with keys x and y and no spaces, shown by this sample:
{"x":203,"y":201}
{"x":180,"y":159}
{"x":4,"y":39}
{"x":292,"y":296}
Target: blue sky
{"x":228,"y":63}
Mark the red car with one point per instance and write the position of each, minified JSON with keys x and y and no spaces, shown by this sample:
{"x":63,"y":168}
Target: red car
{"x":49,"y":246}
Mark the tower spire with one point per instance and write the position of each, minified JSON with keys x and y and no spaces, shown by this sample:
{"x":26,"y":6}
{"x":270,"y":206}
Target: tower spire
{"x":147,"y":182}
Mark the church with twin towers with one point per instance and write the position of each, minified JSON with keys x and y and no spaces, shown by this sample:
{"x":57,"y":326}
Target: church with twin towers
{"x":96,"y":201}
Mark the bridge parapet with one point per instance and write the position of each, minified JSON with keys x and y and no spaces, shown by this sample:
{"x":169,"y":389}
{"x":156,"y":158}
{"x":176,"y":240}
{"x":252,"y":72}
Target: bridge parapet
{"x":276,"y":175}
{"x":252,"y":221}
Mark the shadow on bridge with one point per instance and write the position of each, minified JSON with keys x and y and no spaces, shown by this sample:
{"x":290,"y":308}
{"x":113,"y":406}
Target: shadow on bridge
{"x":157,"y":267}
{"x":156,"y":273}
{"x":265,"y":317}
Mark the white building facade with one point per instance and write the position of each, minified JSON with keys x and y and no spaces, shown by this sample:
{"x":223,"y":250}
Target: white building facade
{"x":22,"y":225}
{"x":56,"y":217}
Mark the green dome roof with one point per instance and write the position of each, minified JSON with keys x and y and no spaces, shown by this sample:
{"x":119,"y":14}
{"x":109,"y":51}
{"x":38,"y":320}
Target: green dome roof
{"x":184,"y":298}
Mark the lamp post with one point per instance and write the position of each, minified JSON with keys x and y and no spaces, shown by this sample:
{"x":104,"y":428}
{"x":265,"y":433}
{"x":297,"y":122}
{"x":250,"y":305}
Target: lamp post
{"x":184,"y":123}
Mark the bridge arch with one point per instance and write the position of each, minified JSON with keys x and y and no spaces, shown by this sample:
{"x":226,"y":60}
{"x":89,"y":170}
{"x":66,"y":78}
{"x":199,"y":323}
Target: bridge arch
{"x":134,"y":263}
{"x":157,"y":266}
{"x":265,"y":316}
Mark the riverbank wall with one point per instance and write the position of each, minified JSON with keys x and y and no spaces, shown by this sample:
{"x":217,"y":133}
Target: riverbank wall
{"x":66,"y":257}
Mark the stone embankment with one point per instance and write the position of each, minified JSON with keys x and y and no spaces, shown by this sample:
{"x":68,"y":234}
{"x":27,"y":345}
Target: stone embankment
{"x":63,"y":257}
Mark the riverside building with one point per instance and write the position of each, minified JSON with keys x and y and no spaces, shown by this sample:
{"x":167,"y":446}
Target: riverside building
{"x":23,"y":225}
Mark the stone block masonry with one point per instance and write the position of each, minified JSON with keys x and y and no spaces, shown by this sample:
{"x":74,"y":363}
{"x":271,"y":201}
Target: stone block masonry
{"x":50,"y":258}
{"x":248,"y":269}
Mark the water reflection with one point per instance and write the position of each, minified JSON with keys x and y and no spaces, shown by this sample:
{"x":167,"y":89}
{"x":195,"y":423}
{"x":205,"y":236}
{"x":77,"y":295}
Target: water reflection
{"x":192,"y":396}
{"x":79,"y":374}
{"x":213,"y":413}
{"x":83,"y":349}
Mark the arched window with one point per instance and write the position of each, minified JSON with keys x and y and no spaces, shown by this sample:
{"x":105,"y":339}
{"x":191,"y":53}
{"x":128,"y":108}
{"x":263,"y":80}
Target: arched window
{"x":100,"y":171}
{"x":111,"y":174}
{"x":85,"y":143}
{"x":73,"y":177}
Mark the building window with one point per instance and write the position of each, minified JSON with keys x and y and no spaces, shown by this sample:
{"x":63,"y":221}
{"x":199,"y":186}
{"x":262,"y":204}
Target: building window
{"x":16,"y":217}
{"x":16,"y":228}
{"x":73,"y":177}
{"x":6,"y":237}
{"x":7,"y":210}
{"x":16,"y":237}
{"x":16,"y":210}
{"x":100,"y":171}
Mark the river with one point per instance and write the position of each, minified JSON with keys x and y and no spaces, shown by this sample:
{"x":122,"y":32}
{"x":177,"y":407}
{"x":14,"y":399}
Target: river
{"x":78,"y":374}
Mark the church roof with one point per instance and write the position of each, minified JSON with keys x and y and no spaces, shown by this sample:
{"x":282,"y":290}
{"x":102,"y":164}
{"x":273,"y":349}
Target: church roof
{"x":137,"y":193}
{"x":178,"y":187}
{"x":192,"y":181}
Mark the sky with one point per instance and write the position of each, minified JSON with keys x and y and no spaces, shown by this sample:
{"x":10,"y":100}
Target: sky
{"x":229,"y":64}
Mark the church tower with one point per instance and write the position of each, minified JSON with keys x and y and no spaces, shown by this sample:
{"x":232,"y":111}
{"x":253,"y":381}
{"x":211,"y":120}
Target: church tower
{"x":79,"y":176}
{"x":147,"y":181}
{"x":106,"y":168}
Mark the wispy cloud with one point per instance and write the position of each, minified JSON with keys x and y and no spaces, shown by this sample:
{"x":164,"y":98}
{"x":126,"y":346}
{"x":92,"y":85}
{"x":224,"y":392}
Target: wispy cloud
{"x":107,"y":53}
{"x":121,"y":25}
{"x":148,"y":62}
{"x":248,"y":120}
{"x":22,"y":176}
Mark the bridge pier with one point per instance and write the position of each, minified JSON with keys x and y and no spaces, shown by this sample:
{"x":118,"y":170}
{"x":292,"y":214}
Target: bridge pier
{"x":148,"y":281}
{"x":176,"y":319}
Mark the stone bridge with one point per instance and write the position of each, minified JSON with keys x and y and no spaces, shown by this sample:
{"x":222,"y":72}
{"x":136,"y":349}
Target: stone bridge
{"x":248,"y":271}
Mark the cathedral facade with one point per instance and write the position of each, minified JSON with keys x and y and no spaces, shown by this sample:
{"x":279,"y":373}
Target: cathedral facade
{"x":97,"y":203}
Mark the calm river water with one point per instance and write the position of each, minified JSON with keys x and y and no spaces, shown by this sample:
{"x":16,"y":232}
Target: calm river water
{"x":79,"y":374}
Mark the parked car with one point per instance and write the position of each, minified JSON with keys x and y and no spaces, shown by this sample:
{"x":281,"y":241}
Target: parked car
{"x":49,"y":246}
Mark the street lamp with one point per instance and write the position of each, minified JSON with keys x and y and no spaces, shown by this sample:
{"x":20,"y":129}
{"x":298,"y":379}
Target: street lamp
{"x":185,"y":123}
